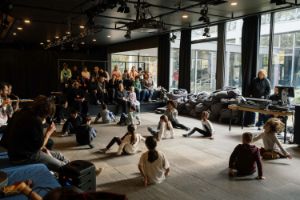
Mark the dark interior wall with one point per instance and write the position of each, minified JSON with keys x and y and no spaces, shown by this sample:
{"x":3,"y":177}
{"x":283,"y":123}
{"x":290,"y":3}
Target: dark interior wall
{"x":34,"y":71}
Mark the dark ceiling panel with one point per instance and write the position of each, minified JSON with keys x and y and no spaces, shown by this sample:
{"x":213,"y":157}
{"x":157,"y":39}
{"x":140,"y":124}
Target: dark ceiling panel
{"x":55,"y":17}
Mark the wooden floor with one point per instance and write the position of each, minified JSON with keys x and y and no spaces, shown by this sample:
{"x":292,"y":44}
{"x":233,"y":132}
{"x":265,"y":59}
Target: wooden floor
{"x":198,"y":166}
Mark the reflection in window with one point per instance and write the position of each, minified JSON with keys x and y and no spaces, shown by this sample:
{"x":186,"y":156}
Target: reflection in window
{"x":233,"y":60}
{"x":263,"y":56}
{"x":197,"y":34}
{"x":203,"y":66}
{"x":174,"y":61}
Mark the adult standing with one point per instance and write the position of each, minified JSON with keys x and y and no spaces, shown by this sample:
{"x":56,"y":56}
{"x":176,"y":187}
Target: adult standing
{"x":65,"y":74}
{"x":260,"y":88}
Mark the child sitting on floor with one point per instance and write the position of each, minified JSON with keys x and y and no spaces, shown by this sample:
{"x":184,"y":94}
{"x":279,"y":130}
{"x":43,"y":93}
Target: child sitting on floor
{"x":244,"y":157}
{"x":163,"y":126}
{"x":207,"y":130}
{"x":128,"y":144}
{"x":85,"y":133}
{"x":127,"y":119}
{"x":172,"y":113}
{"x":72,"y":123}
{"x":106,"y":115}
{"x":153,"y":165}
{"x":271,"y":142}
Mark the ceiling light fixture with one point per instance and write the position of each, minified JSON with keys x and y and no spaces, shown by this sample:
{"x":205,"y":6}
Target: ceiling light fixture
{"x":20,"y":28}
{"x":94,"y":40}
{"x":204,"y":14}
{"x":14,"y":33}
{"x":48,"y":41}
{"x":185,"y":16}
{"x":68,"y":33}
{"x":56,"y":37}
{"x":82,"y":43}
{"x":42,"y":43}
{"x":206,"y":32}
{"x":123,"y":7}
{"x":173,"y":37}
{"x":233,"y":3}
{"x":109,"y":36}
{"x":81,"y":27}
{"x":27,"y":21}
{"x":128,"y":35}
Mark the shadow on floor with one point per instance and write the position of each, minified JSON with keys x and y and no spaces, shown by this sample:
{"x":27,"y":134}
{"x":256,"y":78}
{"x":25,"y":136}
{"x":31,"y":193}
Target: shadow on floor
{"x":124,"y":186}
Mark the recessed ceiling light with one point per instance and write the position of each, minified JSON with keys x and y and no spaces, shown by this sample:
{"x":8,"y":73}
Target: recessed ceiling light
{"x":185,"y":16}
{"x":68,"y":32}
{"x":14,"y":33}
{"x":109,"y":36}
{"x":81,"y":26}
{"x":82,"y":43}
{"x":48,"y":41}
{"x":94,"y":40}
{"x":56,"y":37}
{"x":27,"y":21}
{"x":233,"y":3}
{"x":42,"y":43}
{"x":20,"y":28}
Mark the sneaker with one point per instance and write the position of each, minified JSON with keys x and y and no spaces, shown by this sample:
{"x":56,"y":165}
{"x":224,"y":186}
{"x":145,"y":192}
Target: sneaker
{"x":187,"y":129}
{"x":65,"y":134}
{"x":185,"y":135}
{"x":91,"y":146}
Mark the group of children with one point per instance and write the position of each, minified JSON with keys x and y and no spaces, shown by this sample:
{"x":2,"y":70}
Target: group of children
{"x":153,"y":164}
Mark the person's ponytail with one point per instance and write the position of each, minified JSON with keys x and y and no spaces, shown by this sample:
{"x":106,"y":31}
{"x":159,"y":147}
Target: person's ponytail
{"x":151,"y":145}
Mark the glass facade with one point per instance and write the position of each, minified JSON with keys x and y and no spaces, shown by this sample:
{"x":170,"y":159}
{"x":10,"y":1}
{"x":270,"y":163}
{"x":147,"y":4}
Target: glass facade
{"x":233,"y":58}
{"x":174,"y":61}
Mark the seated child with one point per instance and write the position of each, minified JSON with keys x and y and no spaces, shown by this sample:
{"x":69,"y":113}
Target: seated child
{"x":207,"y":130}
{"x":71,"y":124}
{"x":128,"y":144}
{"x":163,"y":126}
{"x":172,"y":113}
{"x":85,"y":133}
{"x":106,"y":115}
{"x":127,"y":119}
{"x":271,"y":142}
{"x":153,"y":164}
{"x":244,"y":157}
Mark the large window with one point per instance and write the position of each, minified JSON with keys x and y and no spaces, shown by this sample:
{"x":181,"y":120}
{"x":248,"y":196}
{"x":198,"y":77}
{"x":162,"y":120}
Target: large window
{"x":263,"y":56}
{"x":284,"y":68}
{"x":145,"y":59}
{"x":174,"y":60}
{"x":203,"y":66}
{"x":204,"y":59}
{"x":233,"y":59}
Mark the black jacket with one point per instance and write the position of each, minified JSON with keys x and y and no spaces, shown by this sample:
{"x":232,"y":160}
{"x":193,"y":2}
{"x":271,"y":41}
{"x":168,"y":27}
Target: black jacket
{"x":260,"y":88}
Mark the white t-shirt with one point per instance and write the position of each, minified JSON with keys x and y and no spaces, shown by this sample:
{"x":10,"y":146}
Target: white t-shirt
{"x":208,"y":124}
{"x":128,"y":147}
{"x":155,"y":171}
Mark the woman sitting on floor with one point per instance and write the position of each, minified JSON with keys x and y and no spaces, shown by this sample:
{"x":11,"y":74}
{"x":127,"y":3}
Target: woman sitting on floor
{"x":172,"y":114}
{"x":271,"y":142}
{"x":164,"y":125}
{"x":153,"y":164}
{"x":128,"y":144}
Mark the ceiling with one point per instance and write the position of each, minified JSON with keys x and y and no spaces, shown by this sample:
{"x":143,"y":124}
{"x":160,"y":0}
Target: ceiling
{"x":50,"y":18}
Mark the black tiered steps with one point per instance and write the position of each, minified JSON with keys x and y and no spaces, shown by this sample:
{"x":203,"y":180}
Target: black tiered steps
{"x":145,"y":107}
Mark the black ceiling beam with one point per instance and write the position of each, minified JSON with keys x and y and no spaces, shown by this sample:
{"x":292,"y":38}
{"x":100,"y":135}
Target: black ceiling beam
{"x":176,"y":9}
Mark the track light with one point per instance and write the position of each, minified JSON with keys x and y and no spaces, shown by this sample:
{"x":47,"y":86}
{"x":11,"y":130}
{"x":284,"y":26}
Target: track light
{"x":173,"y":37}
{"x":204,"y":13}
{"x":278,"y":2}
{"x":123,"y":7}
{"x":206,"y":32}
{"x":128,"y":35}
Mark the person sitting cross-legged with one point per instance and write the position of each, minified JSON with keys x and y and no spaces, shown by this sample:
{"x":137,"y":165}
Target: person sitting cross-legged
{"x":244,"y":158}
{"x":71,"y":125}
